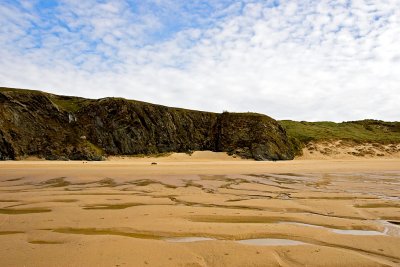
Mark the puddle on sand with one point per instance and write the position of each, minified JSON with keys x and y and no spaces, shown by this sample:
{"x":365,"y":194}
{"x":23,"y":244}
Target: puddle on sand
{"x":356,"y":232}
{"x":344,"y":232}
{"x":188,"y":239}
{"x":303,"y":224}
{"x":391,"y":228}
{"x":270,"y":242}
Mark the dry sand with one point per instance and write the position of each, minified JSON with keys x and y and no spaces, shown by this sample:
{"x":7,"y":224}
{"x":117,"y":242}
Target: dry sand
{"x":200,"y":210}
{"x":342,"y":149}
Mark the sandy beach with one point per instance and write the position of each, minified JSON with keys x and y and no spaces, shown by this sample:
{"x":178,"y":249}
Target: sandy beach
{"x":207,"y":209}
{"x":199,"y":133}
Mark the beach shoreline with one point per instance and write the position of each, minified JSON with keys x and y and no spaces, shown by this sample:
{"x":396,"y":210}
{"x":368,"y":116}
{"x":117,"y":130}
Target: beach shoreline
{"x":206,"y":163}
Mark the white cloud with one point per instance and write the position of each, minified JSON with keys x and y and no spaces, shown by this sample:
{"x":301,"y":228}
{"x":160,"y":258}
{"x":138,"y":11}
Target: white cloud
{"x":304,"y":60}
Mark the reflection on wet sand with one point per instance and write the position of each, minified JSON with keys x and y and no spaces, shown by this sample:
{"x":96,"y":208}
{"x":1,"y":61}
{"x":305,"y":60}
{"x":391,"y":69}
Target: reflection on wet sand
{"x":270,"y":242}
{"x":290,"y":215}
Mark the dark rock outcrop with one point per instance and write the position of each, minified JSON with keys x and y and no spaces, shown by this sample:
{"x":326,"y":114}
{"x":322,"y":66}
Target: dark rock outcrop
{"x":252,"y":135}
{"x":33,"y":123}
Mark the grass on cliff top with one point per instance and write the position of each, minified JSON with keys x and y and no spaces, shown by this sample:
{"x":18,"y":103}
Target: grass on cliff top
{"x":356,"y":131}
{"x":67,"y":103}
{"x":70,"y":104}
{"x":8,"y":89}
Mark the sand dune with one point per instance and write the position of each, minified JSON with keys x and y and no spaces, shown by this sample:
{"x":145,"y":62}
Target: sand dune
{"x":343,"y":150}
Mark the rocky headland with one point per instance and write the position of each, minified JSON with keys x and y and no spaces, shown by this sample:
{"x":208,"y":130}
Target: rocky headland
{"x":38,"y":124}
{"x":35,"y":123}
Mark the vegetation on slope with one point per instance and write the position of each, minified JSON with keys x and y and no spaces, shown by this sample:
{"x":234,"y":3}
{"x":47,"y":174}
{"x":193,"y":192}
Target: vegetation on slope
{"x":53,"y":126}
{"x":365,"y":131}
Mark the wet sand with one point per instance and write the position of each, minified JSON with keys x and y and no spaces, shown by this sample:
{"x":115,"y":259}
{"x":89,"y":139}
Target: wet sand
{"x":200,"y":211}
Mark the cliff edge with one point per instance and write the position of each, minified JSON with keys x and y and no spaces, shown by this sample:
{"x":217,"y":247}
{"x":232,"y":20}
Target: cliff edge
{"x":34,"y":123}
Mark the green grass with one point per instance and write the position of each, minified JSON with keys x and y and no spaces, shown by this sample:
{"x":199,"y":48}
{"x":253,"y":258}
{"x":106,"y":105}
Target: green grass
{"x":366,"y":131}
{"x":70,"y":104}
{"x":8,"y":89}
{"x":67,"y":103}
{"x":244,"y":113}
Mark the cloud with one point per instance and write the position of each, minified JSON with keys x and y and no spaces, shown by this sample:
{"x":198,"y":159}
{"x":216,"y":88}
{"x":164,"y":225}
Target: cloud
{"x":304,"y":60}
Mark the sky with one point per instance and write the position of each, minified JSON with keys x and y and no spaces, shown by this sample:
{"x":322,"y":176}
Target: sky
{"x":301,"y":60}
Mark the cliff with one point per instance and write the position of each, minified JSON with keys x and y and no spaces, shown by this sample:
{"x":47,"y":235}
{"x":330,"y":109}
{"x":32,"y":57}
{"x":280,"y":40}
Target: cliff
{"x":34,"y":123}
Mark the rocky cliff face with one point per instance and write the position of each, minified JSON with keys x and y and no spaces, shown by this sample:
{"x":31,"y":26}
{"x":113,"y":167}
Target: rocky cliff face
{"x":34,"y":123}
